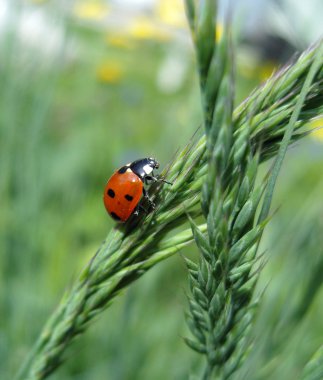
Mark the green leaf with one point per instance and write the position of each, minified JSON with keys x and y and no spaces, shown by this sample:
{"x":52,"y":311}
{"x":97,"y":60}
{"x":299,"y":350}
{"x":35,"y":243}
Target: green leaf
{"x":196,"y":331}
{"x":215,"y":306}
{"x":198,"y":347}
{"x":314,"y":368}
{"x":205,"y":35}
{"x":200,"y":239}
{"x":190,"y":264}
{"x":241,"y":247}
{"x":200,"y":298}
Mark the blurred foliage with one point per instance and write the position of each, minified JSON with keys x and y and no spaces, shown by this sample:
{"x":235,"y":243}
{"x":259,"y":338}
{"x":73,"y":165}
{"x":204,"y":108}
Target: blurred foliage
{"x":77,"y":101}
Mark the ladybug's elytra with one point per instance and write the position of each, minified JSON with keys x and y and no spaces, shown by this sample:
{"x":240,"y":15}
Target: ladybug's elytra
{"x":125,"y":188}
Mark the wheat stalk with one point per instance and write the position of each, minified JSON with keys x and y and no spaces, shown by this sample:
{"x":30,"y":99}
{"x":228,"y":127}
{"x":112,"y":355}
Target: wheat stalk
{"x":222,"y":284}
{"x":130,"y":250}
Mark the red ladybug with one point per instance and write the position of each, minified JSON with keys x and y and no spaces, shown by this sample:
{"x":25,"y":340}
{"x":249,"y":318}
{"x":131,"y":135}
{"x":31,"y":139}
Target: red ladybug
{"x":125,"y":188}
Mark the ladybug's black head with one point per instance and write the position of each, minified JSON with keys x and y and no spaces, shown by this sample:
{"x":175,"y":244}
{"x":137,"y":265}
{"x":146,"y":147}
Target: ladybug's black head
{"x":153,"y":163}
{"x":144,"y":167}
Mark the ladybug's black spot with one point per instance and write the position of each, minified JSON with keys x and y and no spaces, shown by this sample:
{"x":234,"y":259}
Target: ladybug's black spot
{"x":111,"y":193}
{"x":128,"y":197}
{"x":115,"y":216}
{"x":123,"y":169}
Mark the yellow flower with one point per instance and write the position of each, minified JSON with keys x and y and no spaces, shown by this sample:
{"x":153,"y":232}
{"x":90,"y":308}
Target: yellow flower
{"x":109,"y":72}
{"x":218,"y":32}
{"x":119,"y":41}
{"x":172,"y":12}
{"x":145,"y":29}
{"x":318,"y":133}
{"x":91,"y":10}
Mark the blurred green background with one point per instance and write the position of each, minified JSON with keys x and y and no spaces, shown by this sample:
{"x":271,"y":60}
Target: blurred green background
{"x":87,"y":86}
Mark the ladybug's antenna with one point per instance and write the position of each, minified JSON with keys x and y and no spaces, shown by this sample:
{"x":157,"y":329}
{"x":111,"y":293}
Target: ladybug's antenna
{"x":164,"y":180}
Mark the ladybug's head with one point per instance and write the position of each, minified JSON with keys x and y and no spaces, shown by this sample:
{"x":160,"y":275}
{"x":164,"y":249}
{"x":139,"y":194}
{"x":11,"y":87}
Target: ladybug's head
{"x":153,"y":163}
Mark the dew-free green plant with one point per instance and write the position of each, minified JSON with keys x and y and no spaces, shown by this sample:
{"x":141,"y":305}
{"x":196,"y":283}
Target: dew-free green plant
{"x":255,"y":130}
{"x":222,"y":284}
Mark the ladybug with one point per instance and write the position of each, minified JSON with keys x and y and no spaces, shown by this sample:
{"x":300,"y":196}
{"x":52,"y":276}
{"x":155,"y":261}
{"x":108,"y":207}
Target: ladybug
{"x":125,"y":188}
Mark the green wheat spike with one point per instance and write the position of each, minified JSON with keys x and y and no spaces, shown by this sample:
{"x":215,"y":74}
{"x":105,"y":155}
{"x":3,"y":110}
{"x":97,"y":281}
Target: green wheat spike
{"x":230,"y":199}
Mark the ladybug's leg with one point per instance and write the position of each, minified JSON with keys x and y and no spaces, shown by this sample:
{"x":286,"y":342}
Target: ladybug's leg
{"x":154,"y":179}
{"x":142,"y":208}
{"x":164,"y":180}
{"x":138,"y":209}
{"x":150,"y":178}
{"x":145,"y":194}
